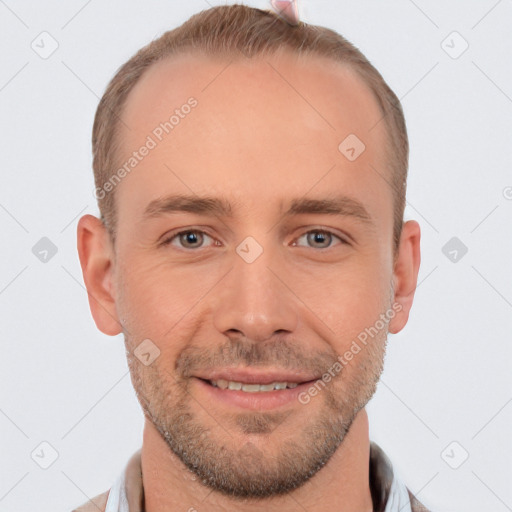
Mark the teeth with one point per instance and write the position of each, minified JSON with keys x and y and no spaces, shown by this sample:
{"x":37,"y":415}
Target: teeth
{"x":223,"y":384}
{"x":252,"y":388}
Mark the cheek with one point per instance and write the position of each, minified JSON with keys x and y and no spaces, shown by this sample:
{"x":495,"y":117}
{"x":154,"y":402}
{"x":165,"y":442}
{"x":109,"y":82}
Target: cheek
{"x":157,"y":299}
{"x":349,"y":299}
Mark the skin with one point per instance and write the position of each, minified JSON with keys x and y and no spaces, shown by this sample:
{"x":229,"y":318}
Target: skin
{"x":254,"y":141}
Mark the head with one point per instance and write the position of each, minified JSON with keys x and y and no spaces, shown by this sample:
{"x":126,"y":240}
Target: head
{"x":251,"y":182}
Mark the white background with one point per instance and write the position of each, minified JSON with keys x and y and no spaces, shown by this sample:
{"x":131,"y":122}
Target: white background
{"x":447,"y":375}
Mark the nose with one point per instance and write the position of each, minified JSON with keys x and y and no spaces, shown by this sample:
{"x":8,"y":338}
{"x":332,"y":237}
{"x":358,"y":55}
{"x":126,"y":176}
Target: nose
{"x":254,"y":300}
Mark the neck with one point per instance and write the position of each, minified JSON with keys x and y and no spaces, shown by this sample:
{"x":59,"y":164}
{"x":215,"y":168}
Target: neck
{"x":342,"y":484}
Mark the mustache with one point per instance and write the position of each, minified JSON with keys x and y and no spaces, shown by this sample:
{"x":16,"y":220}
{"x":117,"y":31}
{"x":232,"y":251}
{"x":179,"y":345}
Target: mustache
{"x":283,"y":354}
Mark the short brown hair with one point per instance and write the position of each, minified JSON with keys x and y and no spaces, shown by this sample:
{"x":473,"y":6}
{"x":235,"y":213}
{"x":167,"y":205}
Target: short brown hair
{"x":238,"y":30}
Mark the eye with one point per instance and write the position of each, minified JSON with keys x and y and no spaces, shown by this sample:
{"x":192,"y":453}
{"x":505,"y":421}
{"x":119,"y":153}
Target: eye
{"x":195,"y":239}
{"x":188,"y":239}
{"x":320,"y":238}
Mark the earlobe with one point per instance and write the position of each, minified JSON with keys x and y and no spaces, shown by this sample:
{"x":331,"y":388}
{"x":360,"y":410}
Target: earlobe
{"x":96,"y":259}
{"x":405,"y":274}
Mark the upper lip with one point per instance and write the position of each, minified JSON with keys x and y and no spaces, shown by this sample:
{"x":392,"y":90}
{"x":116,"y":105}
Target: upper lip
{"x":256,"y":376}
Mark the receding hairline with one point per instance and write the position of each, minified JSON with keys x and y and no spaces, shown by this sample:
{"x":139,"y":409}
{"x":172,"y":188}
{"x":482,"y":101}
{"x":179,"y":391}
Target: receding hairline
{"x":228,"y":57}
{"x":249,"y":32}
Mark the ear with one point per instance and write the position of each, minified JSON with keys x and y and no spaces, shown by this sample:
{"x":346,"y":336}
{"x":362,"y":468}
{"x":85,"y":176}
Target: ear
{"x":96,"y":256}
{"x":405,"y":274}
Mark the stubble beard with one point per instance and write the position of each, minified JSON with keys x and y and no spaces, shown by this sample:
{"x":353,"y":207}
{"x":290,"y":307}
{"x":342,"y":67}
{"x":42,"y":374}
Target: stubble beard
{"x":250,"y":471}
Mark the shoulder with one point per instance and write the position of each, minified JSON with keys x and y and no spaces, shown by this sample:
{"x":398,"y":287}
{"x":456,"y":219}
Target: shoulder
{"x":416,"y":506}
{"x":95,"y":504}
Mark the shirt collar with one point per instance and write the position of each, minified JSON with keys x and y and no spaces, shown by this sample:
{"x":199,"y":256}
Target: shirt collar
{"x":389,"y":494}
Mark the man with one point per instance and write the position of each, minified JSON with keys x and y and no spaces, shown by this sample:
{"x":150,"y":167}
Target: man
{"x":251,"y":179}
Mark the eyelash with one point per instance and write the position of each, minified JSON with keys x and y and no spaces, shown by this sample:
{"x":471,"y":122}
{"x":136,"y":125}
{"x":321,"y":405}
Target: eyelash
{"x":174,"y":236}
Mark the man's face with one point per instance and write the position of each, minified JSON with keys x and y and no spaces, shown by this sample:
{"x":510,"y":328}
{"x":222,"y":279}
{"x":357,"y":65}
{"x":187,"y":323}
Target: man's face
{"x":271,"y":294}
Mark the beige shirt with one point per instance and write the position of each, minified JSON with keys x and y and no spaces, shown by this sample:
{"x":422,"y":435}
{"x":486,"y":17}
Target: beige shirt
{"x":389,"y":493}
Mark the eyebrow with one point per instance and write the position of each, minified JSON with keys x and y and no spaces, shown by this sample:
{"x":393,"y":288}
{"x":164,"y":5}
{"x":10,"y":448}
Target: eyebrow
{"x":214,"y":206}
{"x":188,"y":203}
{"x":339,"y":205}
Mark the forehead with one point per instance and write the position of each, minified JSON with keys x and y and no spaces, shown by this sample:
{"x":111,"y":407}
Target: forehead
{"x":259,"y":127}
{"x":321,"y":92}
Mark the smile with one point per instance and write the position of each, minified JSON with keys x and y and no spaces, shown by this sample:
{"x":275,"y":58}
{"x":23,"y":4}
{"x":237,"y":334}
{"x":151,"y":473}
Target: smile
{"x":257,"y":396}
{"x":251,"y":388}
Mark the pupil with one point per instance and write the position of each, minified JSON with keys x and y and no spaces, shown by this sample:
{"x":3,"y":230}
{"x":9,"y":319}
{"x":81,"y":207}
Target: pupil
{"x":191,"y":237}
{"x":320,"y":238}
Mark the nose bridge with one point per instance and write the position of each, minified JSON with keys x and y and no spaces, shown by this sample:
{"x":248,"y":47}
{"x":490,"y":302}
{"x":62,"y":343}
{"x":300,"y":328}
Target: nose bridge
{"x":254,"y":300}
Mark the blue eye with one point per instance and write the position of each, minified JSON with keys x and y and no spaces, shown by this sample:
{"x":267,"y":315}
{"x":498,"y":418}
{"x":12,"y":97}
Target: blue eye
{"x":189,"y":239}
{"x":321,"y":237}
{"x":195,"y":239}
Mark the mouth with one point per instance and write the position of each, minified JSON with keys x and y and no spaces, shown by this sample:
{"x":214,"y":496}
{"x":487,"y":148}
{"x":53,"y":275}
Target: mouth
{"x":254,"y":392}
{"x":251,"y":388}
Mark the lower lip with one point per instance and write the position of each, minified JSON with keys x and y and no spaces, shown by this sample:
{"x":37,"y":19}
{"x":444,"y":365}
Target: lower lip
{"x":259,"y":400}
